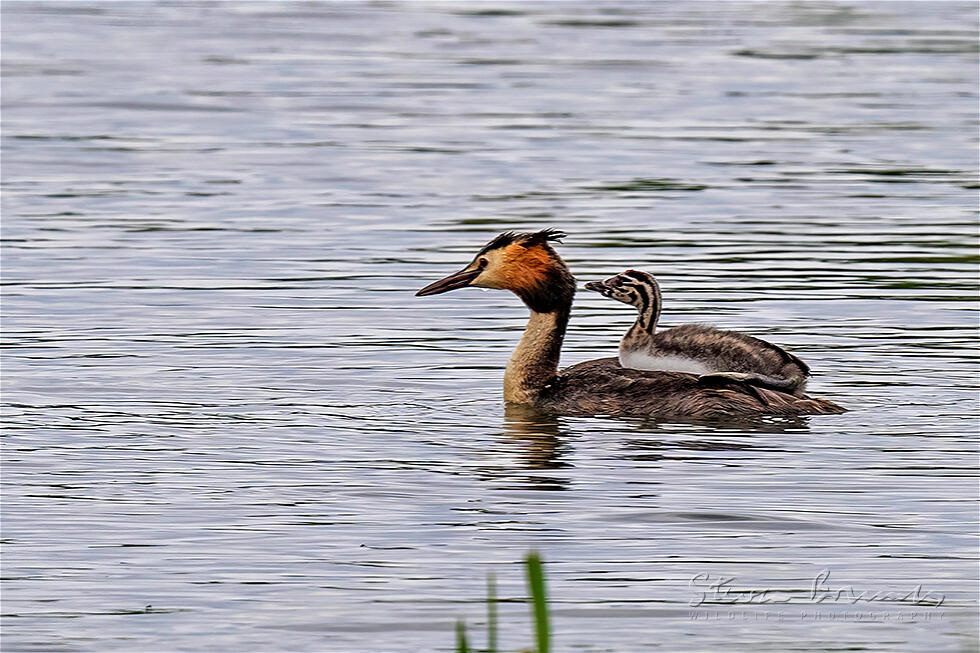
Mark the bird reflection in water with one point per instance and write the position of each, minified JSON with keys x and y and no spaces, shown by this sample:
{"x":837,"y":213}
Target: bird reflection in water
{"x":542,"y":441}
{"x":735,"y":437}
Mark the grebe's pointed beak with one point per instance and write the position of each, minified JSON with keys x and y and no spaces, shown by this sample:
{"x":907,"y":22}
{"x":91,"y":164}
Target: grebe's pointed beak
{"x":461,"y":279}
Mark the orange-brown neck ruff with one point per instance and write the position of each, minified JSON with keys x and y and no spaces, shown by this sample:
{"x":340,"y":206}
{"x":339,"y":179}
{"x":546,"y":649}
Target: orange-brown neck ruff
{"x":539,"y":277}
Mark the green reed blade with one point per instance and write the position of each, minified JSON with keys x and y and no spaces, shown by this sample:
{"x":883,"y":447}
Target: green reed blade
{"x":461,"y":645}
{"x":491,"y":613}
{"x":539,"y":601}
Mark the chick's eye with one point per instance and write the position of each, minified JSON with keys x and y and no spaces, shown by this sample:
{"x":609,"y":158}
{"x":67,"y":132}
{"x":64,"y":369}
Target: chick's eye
{"x":482,"y":263}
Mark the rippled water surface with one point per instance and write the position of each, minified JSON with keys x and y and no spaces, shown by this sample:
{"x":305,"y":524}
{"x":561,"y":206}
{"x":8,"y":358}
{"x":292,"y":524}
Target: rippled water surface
{"x":231,"y":427}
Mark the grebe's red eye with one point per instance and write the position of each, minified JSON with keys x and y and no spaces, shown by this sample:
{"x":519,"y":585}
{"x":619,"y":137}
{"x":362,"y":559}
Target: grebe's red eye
{"x":482,"y":263}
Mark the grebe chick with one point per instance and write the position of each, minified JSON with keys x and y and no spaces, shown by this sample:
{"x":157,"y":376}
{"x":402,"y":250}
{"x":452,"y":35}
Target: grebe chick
{"x":695,"y":348}
{"x":526,"y":264}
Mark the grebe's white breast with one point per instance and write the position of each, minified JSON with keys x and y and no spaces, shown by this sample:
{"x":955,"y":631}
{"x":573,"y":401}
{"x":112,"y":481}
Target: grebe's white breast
{"x":641,"y":360}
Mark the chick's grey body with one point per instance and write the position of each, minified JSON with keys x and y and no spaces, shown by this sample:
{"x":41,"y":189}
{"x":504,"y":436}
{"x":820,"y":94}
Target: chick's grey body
{"x":718,"y":351}
{"x":695,"y":348}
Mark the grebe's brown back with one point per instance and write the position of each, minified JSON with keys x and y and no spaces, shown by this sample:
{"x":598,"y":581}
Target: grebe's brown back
{"x":527,"y":265}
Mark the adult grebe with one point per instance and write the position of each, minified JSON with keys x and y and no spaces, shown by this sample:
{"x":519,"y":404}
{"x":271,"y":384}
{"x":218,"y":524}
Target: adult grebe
{"x":693,"y":347}
{"x":525,"y":264}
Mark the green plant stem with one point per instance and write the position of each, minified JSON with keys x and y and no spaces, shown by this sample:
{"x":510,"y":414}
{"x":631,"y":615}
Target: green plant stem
{"x":539,"y":601}
{"x":461,"y":645}
{"x":491,"y":613}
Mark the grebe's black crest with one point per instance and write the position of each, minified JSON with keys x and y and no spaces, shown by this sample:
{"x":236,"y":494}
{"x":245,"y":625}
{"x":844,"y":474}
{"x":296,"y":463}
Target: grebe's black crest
{"x":526,"y":239}
{"x":542,"y":237}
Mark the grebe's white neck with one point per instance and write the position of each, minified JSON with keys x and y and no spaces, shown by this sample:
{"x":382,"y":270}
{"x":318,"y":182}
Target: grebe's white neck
{"x":534,"y":363}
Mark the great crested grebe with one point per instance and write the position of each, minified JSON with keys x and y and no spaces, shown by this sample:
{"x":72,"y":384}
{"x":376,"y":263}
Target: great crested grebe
{"x":693,"y":347}
{"x":525,"y":264}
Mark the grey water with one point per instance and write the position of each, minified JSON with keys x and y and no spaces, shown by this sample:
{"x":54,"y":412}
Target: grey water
{"x":230,"y":426}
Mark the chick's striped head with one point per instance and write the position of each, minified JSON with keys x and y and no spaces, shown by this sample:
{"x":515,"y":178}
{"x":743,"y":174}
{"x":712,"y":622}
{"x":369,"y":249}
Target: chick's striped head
{"x":633,"y":287}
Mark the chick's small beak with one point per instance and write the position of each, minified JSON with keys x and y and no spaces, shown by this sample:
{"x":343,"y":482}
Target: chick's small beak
{"x":461,"y":279}
{"x":597,"y":286}
{"x":601,"y":287}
